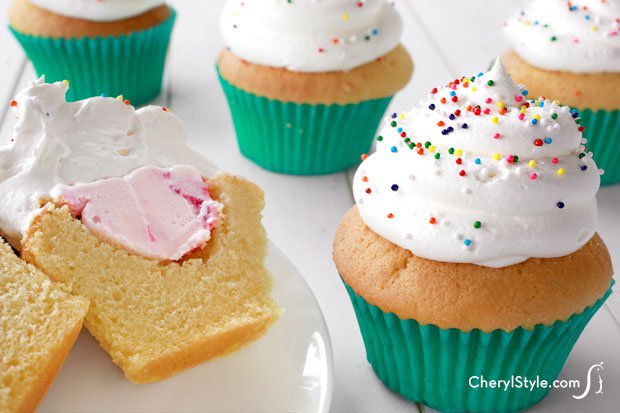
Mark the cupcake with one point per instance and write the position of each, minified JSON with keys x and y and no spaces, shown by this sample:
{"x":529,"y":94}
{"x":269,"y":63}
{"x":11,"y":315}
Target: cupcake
{"x":308,"y":82}
{"x":111,"y":47}
{"x":472,"y":249}
{"x":570,"y":50}
{"x":117,"y":208}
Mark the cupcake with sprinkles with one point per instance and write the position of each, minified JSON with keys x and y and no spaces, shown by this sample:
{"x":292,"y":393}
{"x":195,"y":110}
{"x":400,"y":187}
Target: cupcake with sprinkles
{"x":308,"y":81}
{"x":102,"y":47}
{"x":570,"y":50}
{"x":472,"y":248}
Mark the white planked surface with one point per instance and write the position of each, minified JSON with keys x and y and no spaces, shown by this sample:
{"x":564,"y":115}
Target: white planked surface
{"x":446,"y":39}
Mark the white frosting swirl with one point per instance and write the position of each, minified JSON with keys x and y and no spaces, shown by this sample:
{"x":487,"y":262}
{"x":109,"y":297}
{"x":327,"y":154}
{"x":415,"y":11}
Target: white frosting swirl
{"x":574,"y":36}
{"x":310,"y":35}
{"x":58,"y":143}
{"x":98,"y":10}
{"x":494,"y":179}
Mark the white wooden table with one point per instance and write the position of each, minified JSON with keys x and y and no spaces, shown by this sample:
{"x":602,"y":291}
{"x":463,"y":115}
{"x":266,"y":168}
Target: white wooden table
{"x":446,"y":39}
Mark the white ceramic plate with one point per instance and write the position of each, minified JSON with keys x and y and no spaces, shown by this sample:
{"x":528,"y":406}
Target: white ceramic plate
{"x":289,"y":369}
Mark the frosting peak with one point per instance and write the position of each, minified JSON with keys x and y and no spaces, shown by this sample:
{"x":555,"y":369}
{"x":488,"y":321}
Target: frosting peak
{"x":98,"y":10}
{"x":311,"y":35}
{"x":479,"y":174}
{"x":574,"y":36}
{"x":57,"y":143}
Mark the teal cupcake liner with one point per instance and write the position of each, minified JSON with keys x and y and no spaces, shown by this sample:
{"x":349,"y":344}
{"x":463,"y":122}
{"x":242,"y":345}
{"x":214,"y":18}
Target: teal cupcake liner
{"x":130,"y":65}
{"x":602,"y":130}
{"x":433,"y":366}
{"x":302,"y":139}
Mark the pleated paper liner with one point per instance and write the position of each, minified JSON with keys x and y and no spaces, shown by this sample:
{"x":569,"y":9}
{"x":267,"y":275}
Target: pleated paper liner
{"x":302,"y":139}
{"x":130,"y":65}
{"x":433,"y":366}
{"x":603,"y":135}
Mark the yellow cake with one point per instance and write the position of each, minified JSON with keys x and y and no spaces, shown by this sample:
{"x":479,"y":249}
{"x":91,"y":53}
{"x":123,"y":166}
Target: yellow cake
{"x":156,"y":319}
{"x":39,"y":322}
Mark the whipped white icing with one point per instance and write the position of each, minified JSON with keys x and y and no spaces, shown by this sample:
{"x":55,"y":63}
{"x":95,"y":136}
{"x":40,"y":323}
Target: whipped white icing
{"x":574,"y":36}
{"x":98,"y":10}
{"x":58,"y":143}
{"x":480,"y":175}
{"x":310,"y":35}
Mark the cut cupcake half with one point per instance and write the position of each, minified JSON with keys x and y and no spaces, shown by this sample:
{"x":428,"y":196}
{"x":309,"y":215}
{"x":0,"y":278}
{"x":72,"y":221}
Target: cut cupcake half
{"x":119,"y":209}
{"x":157,"y":317}
{"x":39,"y":322}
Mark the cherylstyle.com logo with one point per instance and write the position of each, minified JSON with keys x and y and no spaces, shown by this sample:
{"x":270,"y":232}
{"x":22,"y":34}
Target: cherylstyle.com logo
{"x":593,"y":382}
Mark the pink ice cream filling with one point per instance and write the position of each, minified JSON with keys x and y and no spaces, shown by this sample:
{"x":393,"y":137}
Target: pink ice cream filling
{"x":153,"y":212}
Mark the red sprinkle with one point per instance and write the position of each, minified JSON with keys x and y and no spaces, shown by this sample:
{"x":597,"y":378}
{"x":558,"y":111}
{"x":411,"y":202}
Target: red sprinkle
{"x":364,"y":156}
{"x":538,"y":142}
{"x":390,"y":215}
{"x":459,"y":161}
{"x":13,"y":103}
{"x":432,"y":221}
{"x":462,"y":173}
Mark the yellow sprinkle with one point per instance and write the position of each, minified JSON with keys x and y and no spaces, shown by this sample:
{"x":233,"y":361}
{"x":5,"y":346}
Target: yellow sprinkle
{"x":560,"y":171}
{"x":557,"y":102}
{"x":594,"y":28}
{"x":494,"y":119}
{"x":344,"y":16}
{"x":66,"y":82}
{"x":532,"y":164}
{"x":496,"y":156}
{"x":432,"y":148}
{"x":537,"y":117}
{"x":120,"y":97}
{"x":402,"y":116}
{"x":500,"y":104}
{"x":458,"y":152}
{"x":473,"y":89}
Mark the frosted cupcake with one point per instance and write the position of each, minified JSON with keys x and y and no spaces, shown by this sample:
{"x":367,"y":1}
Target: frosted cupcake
{"x":111,"y":47}
{"x":472,"y":249}
{"x":307,"y":82}
{"x":570,"y":50}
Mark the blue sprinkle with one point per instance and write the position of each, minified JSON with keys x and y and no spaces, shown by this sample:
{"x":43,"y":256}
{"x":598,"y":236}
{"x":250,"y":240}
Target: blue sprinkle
{"x":477,"y":161}
{"x":399,"y":130}
{"x":541,"y":104}
{"x":587,"y":17}
{"x":464,"y":126}
{"x":584,"y":167}
{"x":394,"y":187}
{"x":452,"y":117}
{"x":534,"y":121}
{"x":431,"y":106}
{"x":450,"y":129}
{"x":394,"y":149}
{"x":560,"y":204}
{"x":453,"y":93}
{"x":444,"y":132}
{"x":375,"y":32}
{"x":548,"y":140}
{"x":467,"y":242}
{"x":575,"y":115}
{"x":524,"y":92}
{"x":480,"y":74}
{"x":103,"y":95}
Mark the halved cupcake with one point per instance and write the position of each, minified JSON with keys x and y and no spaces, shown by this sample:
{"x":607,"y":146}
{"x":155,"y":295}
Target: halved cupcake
{"x":109,"y":47}
{"x":308,"y":82}
{"x":168,"y":250}
{"x":39,"y":322}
